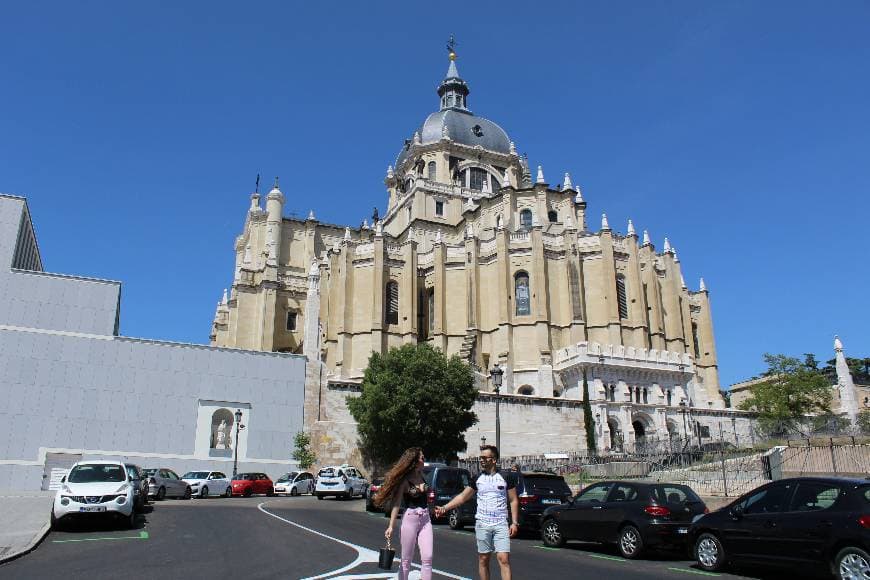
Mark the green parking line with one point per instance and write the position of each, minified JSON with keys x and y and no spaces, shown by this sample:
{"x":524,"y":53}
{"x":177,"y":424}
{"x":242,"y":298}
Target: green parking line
{"x":604,"y":557}
{"x":691,"y":571}
{"x":547,"y":548}
{"x":141,"y":536}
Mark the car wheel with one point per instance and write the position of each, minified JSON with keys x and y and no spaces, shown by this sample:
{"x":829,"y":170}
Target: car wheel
{"x":249,"y":492}
{"x":552,"y":535}
{"x":161,"y":494}
{"x":55,"y":523}
{"x":709,"y":552}
{"x":187,"y":493}
{"x":293,"y":491}
{"x":271,"y":492}
{"x":454,"y":520}
{"x":228,"y":492}
{"x":852,"y":563}
{"x":630,"y":542}
{"x":203,"y":492}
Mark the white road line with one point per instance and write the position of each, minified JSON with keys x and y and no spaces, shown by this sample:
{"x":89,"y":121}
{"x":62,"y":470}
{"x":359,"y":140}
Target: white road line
{"x":364,"y":555}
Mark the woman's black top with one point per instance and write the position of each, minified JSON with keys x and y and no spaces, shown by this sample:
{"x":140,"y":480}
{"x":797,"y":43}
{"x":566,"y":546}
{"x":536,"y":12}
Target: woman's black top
{"x":414,"y":498}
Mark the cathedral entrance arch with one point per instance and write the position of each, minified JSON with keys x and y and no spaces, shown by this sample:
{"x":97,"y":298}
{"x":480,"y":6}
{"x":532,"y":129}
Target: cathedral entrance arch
{"x":644,"y":430}
{"x":221,"y":430}
{"x":615,"y":434}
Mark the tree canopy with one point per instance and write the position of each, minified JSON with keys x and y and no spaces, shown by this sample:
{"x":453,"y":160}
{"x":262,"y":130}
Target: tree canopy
{"x":414,"y":396}
{"x":302,"y":450}
{"x":792,"y":391}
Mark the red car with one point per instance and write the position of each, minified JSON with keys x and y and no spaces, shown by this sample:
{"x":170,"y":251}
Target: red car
{"x":247,"y":484}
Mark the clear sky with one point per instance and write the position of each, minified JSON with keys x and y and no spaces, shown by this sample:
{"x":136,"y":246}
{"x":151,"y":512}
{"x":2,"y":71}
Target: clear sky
{"x":740,"y":130}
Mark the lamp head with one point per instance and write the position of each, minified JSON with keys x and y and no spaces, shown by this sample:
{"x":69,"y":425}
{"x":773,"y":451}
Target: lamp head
{"x":238,"y":415}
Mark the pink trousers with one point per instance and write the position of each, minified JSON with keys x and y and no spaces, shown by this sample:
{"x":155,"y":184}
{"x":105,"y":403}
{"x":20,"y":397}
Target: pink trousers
{"x":416,"y":530}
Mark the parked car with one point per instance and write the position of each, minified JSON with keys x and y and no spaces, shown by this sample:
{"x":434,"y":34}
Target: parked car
{"x":540,"y":490}
{"x":247,"y":484}
{"x":342,"y":481}
{"x":805,"y":523}
{"x":295,"y":483}
{"x":96,"y":488}
{"x":206,"y":483}
{"x":140,"y":486}
{"x":445,"y":483}
{"x":370,"y":495}
{"x":634,"y":516}
{"x":163,"y":483}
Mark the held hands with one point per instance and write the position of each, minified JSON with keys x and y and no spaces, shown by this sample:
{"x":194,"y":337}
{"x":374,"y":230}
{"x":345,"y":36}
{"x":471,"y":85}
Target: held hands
{"x":440,"y":511}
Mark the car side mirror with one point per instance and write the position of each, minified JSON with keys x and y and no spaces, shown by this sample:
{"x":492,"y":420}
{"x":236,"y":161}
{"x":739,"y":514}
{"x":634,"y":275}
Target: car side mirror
{"x":63,"y":479}
{"x":737,"y":511}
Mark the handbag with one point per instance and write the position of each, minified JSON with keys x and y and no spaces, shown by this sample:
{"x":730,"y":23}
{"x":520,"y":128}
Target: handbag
{"x":385,"y":561}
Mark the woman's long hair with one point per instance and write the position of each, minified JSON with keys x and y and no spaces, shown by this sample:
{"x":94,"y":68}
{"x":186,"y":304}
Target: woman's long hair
{"x":397,"y":474}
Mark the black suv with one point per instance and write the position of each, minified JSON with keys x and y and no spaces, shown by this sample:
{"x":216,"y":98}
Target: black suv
{"x":537,"y":491}
{"x":445,"y":483}
{"x":819,"y":523}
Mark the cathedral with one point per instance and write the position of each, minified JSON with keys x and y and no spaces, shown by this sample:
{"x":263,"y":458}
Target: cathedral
{"x":482,"y":257}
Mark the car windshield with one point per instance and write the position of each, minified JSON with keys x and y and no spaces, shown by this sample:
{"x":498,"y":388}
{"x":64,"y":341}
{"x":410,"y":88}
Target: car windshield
{"x":286,"y":477}
{"x":329,"y":472}
{"x":535,"y":484}
{"x":149,"y":472}
{"x":195,"y":475}
{"x":96,"y":473}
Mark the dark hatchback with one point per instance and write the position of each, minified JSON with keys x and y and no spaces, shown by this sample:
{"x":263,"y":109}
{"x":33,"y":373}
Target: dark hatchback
{"x":445,"y":483}
{"x":634,"y":516}
{"x":539,"y":491}
{"x":370,"y":495}
{"x":805,"y":523}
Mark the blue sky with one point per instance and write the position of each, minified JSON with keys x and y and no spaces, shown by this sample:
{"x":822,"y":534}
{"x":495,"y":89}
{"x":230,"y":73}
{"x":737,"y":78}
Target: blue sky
{"x":740,"y":130}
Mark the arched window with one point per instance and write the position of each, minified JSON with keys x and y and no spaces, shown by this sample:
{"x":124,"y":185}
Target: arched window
{"x":431,"y":171}
{"x":526,"y":390}
{"x":621,"y":299}
{"x":695,"y":340}
{"x":391,"y":300}
{"x":669,"y":394}
{"x":521,"y":291}
{"x":526,"y":219}
{"x":477,"y":179}
{"x":552,"y":216}
{"x":645,"y":396}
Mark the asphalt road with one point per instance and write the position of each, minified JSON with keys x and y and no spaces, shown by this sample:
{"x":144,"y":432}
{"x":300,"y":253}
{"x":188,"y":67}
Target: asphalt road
{"x":295,"y":538}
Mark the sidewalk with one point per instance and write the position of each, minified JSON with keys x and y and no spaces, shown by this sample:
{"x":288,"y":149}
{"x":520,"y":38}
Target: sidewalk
{"x":25,"y":518}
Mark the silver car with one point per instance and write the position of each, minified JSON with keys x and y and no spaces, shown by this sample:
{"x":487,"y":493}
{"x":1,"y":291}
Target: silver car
{"x":163,"y":482}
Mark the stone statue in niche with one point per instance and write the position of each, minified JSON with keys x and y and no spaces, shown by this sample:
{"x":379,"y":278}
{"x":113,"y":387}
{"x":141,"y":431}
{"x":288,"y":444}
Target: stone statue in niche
{"x":222,"y":438}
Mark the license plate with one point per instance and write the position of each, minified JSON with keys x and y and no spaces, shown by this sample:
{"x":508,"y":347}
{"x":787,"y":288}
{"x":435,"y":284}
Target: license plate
{"x":92,"y":508}
{"x":682,"y":530}
{"x":549,"y":501}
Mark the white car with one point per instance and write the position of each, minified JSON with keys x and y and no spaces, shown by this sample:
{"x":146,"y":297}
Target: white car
{"x":342,"y":481}
{"x":207,"y":483}
{"x":95,"y":487}
{"x":295,"y":483}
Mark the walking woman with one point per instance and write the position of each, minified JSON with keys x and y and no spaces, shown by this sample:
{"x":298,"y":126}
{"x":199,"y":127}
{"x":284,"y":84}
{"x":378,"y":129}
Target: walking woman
{"x":405,"y":484}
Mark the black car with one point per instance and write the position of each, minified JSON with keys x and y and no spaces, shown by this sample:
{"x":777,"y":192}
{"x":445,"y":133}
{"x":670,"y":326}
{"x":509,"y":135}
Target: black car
{"x":538,"y":491}
{"x":806,"y":523}
{"x":634,"y":516}
{"x":445,"y":483}
{"x":370,"y":495}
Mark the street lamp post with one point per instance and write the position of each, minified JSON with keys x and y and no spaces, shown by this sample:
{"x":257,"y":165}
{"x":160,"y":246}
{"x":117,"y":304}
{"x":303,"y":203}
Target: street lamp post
{"x":496,"y":373}
{"x":236,"y":449}
{"x":482,"y":441}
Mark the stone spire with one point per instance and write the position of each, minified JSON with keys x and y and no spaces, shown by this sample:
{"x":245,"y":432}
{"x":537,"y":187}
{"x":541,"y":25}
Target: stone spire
{"x":676,"y":258}
{"x":579,"y":197}
{"x":848,"y":398}
{"x":379,"y":228}
{"x":646,"y":240}
{"x":347,"y":234}
{"x":390,"y":173}
{"x":311,"y":215}
{"x":513,"y":148}
{"x":453,"y":91}
{"x":417,"y":139}
{"x":702,"y":287}
{"x":566,"y":184}
{"x":631,"y":231}
{"x":682,"y":282}
{"x":540,"y":177}
{"x":605,"y":226}
{"x":224,"y":298}
{"x":667,"y":246}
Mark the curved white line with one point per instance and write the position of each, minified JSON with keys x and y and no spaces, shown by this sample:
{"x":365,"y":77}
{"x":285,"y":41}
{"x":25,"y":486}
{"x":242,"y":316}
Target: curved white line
{"x":364,"y":555}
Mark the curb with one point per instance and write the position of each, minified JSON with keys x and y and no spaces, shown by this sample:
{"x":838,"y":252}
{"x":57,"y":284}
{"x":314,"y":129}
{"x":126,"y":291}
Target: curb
{"x":34,"y":542}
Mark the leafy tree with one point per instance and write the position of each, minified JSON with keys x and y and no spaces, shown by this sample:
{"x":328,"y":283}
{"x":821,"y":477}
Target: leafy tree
{"x":830,"y":423}
{"x":302,"y":450}
{"x":587,"y":418}
{"x":726,"y":396}
{"x":790,"y":392}
{"x":414,"y":396}
{"x":864,"y":422}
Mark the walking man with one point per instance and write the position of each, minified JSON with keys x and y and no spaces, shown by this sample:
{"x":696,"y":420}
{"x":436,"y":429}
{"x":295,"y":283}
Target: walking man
{"x":494,"y":490}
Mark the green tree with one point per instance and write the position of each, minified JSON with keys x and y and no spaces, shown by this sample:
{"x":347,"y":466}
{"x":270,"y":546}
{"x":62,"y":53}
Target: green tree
{"x":587,"y":418}
{"x":726,"y":396}
{"x":864,"y":422}
{"x":413,"y":396}
{"x":302,"y":450}
{"x":790,"y":392}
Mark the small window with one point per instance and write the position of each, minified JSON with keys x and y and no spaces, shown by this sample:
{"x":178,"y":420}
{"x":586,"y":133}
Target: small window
{"x":552,"y":216}
{"x":526,"y":219}
{"x":477,"y":130}
{"x":430,"y":307}
{"x":526,"y":390}
{"x":392,"y":303}
{"x":594,"y":493}
{"x":291,"y":321}
{"x":695,"y":339}
{"x":431,"y":171}
{"x":439,"y":208}
{"x":621,"y":299}
{"x":477,"y":179}
{"x":769,"y":500}
{"x":623,"y":492}
{"x":521,"y":290}
{"x":811,"y":497}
